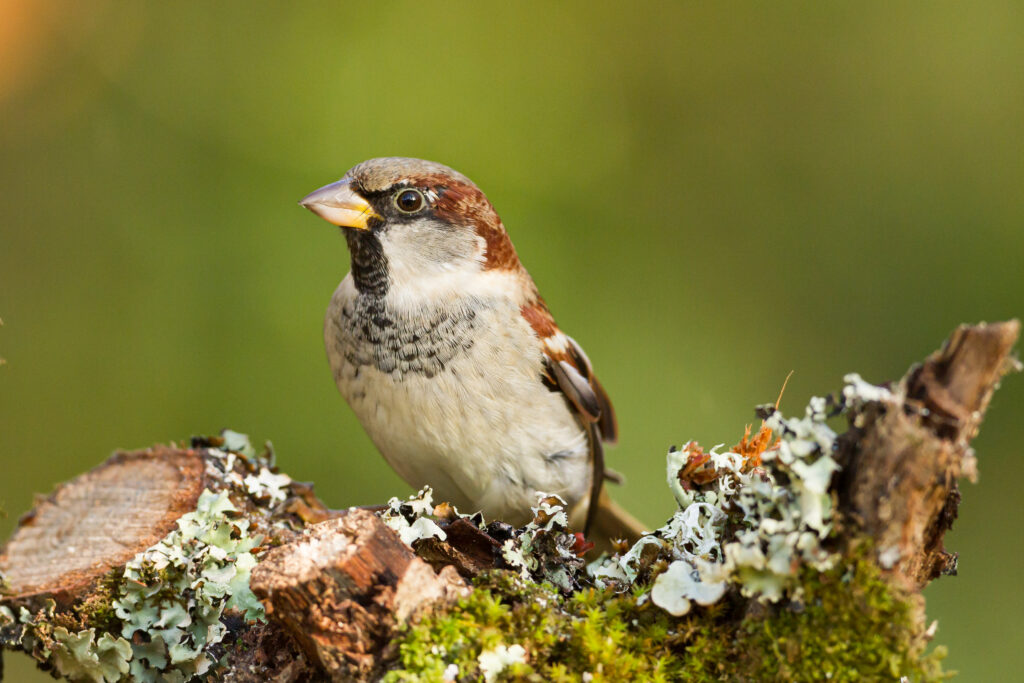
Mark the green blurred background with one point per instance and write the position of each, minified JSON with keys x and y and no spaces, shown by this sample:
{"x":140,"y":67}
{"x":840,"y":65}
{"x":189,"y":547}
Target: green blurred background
{"x":708,"y":197}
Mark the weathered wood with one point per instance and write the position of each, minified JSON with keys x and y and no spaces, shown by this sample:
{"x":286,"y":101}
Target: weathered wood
{"x":903,"y":457}
{"x":266,"y":653}
{"x":345,"y":587}
{"x":99,"y":521}
{"x":956,"y":383}
{"x":74,"y":545}
{"x":337,"y":586}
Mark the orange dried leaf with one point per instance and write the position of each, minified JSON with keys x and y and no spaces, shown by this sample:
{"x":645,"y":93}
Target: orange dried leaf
{"x":752,"y":448}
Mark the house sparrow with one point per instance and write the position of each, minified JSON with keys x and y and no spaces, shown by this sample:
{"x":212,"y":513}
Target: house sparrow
{"x":449,"y":357}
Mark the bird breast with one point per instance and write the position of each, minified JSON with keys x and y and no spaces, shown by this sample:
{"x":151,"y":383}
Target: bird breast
{"x":449,"y":390}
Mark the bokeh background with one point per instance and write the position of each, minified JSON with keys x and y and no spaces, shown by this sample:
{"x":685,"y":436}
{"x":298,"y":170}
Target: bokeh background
{"x":708,"y":197}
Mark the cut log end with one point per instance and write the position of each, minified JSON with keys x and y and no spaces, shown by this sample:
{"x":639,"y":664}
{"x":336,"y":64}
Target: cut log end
{"x":99,"y":521}
{"x":336,"y":590}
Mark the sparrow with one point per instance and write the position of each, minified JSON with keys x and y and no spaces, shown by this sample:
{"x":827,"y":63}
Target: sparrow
{"x":449,"y":357}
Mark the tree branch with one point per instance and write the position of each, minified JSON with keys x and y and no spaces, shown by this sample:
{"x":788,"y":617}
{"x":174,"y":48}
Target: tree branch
{"x":205,"y":562}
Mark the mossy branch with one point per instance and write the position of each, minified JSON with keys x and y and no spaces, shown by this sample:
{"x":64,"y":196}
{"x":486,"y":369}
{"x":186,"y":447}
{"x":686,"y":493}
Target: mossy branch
{"x":797,"y":555}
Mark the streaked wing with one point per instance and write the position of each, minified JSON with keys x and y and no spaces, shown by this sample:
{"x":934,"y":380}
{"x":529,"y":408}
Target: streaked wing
{"x":568,"y":370}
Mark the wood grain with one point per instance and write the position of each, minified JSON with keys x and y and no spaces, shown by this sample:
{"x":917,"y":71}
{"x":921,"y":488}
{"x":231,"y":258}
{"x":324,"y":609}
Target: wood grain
{"x":100,"y":520}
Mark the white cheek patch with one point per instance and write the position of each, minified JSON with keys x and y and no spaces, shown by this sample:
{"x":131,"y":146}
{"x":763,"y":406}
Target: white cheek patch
{"x":422,"y":250}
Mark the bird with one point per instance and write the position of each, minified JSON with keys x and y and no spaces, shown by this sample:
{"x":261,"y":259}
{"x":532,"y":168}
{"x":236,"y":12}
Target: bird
{"x":445,"y":351}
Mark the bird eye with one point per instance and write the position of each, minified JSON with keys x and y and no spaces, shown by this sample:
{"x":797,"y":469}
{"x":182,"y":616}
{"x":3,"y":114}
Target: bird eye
{"x":409,"y":201}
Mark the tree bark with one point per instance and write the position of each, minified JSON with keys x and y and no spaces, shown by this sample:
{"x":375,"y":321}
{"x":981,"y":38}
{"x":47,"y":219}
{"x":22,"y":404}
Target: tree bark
{"x":337,"y":587}
{"x":902,"y":458}
{"x":344,"y":588}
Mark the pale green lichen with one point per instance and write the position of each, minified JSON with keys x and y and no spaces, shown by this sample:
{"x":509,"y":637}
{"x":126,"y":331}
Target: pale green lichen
{"x":233,"y":462}
{"x":544,"y":550}
{"x":84,"y":657}
{"x":760,"y":529}
{"x":78,"y":655}
{"x":750,"y":523}
{"x":680,"y":583}
{"x":164,"y":618}
{"x":176,"y":591}
{"x":267,"y":486}
{"x":410,"y":517}
{"x":238,"y":443}
{"x":757,"y":521}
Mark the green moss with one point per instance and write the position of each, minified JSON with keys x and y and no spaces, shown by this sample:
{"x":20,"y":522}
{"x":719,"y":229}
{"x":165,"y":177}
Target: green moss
{"x":97,"y":610}
{"x":564,"y":637}
{"x":850,"y":625}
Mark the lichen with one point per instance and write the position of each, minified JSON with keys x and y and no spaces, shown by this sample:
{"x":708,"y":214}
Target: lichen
{"x":78,"y":655}
{"x":748,"y":580}
{"x":267,"y":486}
{"x":493,"y":662}
{"x":410,"y":518}
{"x":176,"y":591}
{"x":164,"y":617}
{"x":84,"y":657}
{"x":753,"y":543}
{"x":277,"y":507}
{"x":749,"y":517}
{"x":232,"y":464}
{"x":545,"y":551}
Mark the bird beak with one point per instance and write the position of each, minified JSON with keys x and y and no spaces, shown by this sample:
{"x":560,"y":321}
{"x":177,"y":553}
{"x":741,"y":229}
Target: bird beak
{"x":337,"y":203}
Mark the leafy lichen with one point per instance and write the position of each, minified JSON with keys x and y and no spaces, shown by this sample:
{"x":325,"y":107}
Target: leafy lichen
{"x":410,"y":517}
{"x":544,"y":550}
{"x":76,"y":654}
{"x":753,"y":544}
{"x":164,"y":617}
{"x":748,"y":518}
{"x":747,"y":581}
{"x":176,"y":591}
{"x":84,"y":657}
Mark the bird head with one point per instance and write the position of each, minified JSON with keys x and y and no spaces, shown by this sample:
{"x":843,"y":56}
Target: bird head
{"x":409,"y":219}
